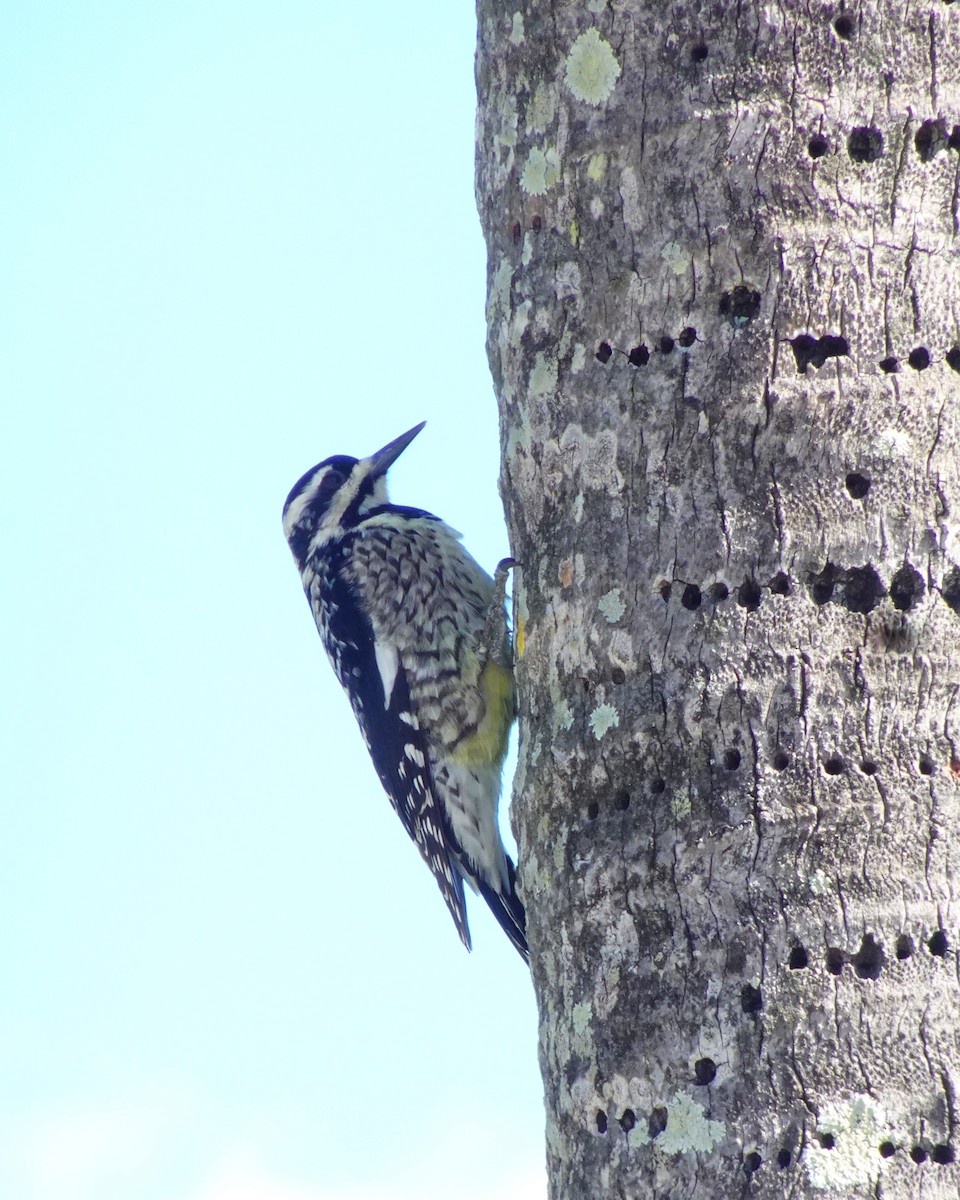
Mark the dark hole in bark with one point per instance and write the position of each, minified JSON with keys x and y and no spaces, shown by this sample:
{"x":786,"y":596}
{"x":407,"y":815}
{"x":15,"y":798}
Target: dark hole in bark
{"x":827,"y":1141}
{"x":752,"y":1162}
{"x":904,"y":946}
{"x":666,"y":344}
{"x":748,"y":595}
{"x":953,"y":354}
{"x":617,"y":675}
{"x":691,"y":597}
{"x":622,"y":801}
{"x":918,"y":1154}
{"x":731,"y":759}
{"x":868,"y":960}
{"x":601,"y":1121}
{"x":889,"y":365}
{"x":593,"y":810}
{"x":537,"y":223}
{"x":835,"y":960}
{"x":639,"y":356}
{"x":784,"y":1158}
{"x":814,"y":352}
{"x":953,"y":141}
{"x":658,"y":787}
{"x":821,"y":586}
{"x":751,"y":998}
{"x":817,"y":146}
{"x":628,"y":1120}
{"x":844,"y":27}
{"x":930,"y":138}
{"x":604,"y":351}
{"x":919,"y":358}
{"x":665,"y":590}
{"x":887,"y":1149}
{"x":906,"y":588}
{"x":704,"y":1071}
{"x":515,"y":232}
{"x":798,"y":959}
{"x":868,"y":767}
{"x":942,"y":1154}
{"x":687,"y":337}
{"x":861,"y":589}
{"x":658,"y":1121}
{"x":780,"y":584}
{"x":780,"y":760}
{"x":950,"y":590}
{"x":926,"y":765}
{"x":802,"y":346}
{"x":741,"y":304}
{"x":719,"y":591}
{"x":937,"y":945}
{"x":865,"y":144}
{"x":833,"y":765}
{"x":857,"y":485}
{"x":699,"y":52}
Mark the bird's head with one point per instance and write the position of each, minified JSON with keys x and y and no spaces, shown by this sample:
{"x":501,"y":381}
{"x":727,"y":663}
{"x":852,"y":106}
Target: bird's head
{"x":337,"y":493}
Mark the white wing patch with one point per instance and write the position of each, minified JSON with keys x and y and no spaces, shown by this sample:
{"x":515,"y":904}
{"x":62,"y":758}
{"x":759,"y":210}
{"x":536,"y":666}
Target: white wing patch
{"x":388,"y":663}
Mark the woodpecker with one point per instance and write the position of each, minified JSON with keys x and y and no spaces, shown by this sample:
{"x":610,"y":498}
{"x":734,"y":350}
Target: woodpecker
{"x":416,"y":632}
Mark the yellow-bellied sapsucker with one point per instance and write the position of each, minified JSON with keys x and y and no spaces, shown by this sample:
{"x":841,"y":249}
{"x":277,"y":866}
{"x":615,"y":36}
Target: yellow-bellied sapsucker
{"x":416,"y":633}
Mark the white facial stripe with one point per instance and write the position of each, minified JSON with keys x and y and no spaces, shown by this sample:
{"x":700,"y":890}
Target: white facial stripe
{"x":293,"y":514}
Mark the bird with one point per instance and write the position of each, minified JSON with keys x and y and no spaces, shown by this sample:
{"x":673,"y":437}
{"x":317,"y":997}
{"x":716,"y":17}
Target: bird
{"x":416,"y":633}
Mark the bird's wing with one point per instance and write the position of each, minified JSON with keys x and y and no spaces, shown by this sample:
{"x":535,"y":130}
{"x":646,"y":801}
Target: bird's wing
{"x":373,"y":678}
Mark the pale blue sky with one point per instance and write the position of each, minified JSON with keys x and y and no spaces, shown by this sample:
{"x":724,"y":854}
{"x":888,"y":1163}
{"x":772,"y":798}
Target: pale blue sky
{"x":235,"y":238}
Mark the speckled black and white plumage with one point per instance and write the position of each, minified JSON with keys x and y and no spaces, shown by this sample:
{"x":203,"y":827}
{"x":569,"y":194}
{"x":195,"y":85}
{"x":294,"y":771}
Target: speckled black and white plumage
{"x":401,"y":608}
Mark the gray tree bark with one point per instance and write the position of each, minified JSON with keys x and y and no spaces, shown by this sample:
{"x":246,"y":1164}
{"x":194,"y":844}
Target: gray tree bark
{"x":724,"y":298}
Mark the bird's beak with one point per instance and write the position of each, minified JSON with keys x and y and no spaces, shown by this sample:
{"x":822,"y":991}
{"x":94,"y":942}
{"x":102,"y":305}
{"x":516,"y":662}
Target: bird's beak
{"x":386,"y":457}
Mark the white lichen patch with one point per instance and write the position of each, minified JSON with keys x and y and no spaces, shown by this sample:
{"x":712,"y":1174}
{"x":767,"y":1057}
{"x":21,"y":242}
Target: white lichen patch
{"x":562,"y":715}
{"x":592,"y":69}
{"x":676,"y":258}
{"x":688,"y":1127}
{"x":858,"y":1126}
{"x":507,"y":111}
{"x":818,"y":883}
{"x":579,"y":358}
{"x":516,"y":30}
{"x":594,"y":458}
{"x":611,"y":605}
{"x":577,"y":509}
{"x":635,"y":215}
{"x":603,"y":718}
{"x":543,"y":377}
{"x":541,"y":171}
{"x":892,"y":443}
{"x":542,"y":108}
{"x":580,"y":1015}
{"x":499,"y":299}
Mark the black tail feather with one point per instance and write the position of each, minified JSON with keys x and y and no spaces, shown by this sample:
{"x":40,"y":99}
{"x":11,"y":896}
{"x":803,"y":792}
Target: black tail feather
{"x":508,"y":910}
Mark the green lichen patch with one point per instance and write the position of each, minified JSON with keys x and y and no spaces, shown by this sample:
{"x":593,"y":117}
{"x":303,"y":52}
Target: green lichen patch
{"x":849,"y":1160}
{"x":611,"y":605}
{"x":540,"y":172}
{"x":603,"y":718}
{"x":688,"y":1127}
{"x":592,"y":69}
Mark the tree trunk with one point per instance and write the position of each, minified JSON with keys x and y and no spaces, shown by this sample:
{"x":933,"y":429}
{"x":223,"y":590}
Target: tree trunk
{"x":723,"y":303}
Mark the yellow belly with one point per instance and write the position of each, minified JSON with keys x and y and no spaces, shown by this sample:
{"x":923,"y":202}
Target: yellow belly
{"x":488,"y":744}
